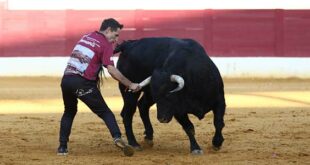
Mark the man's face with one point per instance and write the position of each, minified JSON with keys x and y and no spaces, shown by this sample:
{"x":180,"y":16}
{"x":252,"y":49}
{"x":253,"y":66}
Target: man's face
{"x":112,"y":36}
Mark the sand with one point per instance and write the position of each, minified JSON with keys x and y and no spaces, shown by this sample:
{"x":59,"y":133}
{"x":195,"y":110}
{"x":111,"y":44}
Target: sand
{"x":267,"y":122}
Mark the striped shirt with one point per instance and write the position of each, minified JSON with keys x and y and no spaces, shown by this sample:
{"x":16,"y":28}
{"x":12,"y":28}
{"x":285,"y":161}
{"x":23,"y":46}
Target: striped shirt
{"x":91,"y":52}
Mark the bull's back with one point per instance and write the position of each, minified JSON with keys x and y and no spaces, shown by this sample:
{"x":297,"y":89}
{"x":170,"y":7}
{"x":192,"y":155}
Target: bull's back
{"x":147,"y":53}
{"x":139,"y":58}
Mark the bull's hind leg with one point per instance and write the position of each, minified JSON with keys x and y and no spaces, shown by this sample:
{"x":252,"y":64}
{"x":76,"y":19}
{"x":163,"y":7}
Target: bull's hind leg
{"x":144,"y":105}
{"x":190,"y":131}
{"x":129,"y":108}
{"x":218,"y":122}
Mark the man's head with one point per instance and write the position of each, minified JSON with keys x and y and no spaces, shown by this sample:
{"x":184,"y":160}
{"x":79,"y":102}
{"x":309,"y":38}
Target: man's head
{"x":111,"y":29}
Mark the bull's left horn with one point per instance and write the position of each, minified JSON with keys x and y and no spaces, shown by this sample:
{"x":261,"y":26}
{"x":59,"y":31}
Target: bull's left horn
{"x":178,"y":79}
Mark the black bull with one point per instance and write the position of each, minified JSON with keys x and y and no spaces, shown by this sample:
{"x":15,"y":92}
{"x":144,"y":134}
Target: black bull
{"x":184,"y":80}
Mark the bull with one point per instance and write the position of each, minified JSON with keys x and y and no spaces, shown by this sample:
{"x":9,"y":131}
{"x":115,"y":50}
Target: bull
{"x":177,"y":75}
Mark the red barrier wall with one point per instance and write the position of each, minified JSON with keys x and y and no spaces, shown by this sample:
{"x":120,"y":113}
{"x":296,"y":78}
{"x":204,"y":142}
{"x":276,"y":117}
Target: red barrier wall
{"x":226,"y":33}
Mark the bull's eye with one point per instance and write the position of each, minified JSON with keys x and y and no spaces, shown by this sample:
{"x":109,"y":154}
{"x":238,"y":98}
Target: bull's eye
{"x":168,"y":94}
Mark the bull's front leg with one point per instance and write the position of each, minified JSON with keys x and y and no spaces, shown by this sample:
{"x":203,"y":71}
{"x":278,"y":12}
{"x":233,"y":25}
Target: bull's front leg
{"x":129,"y":108}
{"x":218,"y":122}
{"x":144,"y":105}
{"x":190,"y":131}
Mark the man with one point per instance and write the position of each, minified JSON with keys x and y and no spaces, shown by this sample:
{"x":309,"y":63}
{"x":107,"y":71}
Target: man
{"x":81,"y":81}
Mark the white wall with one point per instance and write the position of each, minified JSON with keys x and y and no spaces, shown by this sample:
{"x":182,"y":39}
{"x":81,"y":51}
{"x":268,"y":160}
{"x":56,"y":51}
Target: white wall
{"x":242,"y":67}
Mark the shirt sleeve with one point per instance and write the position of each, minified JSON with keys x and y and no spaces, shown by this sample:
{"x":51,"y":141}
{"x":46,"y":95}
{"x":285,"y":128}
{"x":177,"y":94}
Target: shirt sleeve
{"x":106,"y":57}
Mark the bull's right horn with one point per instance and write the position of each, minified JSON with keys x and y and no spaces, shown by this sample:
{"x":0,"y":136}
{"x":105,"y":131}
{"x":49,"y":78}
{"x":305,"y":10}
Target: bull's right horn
{"x":145,"y":82}
{"x":178,"y":79}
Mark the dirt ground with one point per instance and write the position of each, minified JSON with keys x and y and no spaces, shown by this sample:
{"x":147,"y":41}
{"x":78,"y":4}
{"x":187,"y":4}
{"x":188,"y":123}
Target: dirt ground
{"x":267,"y":122}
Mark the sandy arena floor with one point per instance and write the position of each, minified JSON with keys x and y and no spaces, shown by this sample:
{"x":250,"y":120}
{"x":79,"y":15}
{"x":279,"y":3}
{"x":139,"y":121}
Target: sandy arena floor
{"x":267,"y":122}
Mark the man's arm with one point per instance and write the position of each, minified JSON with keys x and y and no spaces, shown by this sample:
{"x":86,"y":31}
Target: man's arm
{"x":117,"y":75}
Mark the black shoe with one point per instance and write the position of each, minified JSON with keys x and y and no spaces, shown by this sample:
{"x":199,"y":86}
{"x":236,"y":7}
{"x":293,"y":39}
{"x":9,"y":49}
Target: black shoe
{"x":127,"y":150}
{"x":62,"y":150}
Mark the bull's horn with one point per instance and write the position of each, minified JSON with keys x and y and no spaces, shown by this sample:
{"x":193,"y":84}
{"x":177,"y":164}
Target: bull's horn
{"x":178,"y":79}
{"x":145,"y":82}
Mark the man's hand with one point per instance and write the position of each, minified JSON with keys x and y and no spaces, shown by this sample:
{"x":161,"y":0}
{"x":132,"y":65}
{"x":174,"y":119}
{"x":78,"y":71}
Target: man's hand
{"x":117,"y":75}
{"x":134,"y":87}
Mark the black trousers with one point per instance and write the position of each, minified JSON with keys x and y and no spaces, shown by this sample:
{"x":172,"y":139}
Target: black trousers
{"x":75,"y":87}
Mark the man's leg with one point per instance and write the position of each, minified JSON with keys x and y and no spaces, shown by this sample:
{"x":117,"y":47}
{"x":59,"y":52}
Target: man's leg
{"x":70,"y":104}
{"x":93,"y":99}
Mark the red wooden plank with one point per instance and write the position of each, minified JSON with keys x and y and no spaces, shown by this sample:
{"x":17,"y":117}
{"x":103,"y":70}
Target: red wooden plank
{"x":243,"y":33}
{"x":280,"y":33}
{"x":296,"y":33}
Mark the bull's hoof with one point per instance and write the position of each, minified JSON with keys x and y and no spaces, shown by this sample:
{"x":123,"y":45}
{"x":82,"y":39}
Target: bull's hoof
{"x":128,"y":150}
{"x":216,"y":148}
{"x":197,"y":152}
{"x":148,"y":143}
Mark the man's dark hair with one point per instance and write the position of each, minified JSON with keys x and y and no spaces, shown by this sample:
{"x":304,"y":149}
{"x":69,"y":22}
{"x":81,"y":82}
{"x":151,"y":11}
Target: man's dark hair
{"x":110,"y":22}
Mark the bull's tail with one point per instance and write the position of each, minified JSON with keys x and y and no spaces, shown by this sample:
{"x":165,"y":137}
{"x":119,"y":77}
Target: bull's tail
{"x":222,"y":94}
{"x":218,"y":120}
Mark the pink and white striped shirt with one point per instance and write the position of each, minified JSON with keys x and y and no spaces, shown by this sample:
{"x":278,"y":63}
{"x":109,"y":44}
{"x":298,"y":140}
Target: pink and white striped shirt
{"x":91,"y":52}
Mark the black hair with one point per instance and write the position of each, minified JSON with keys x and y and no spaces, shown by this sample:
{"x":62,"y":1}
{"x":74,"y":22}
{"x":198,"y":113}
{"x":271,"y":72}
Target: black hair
{"x":110,"y":22}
